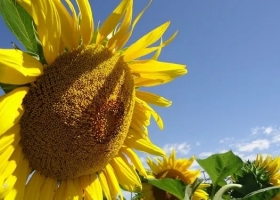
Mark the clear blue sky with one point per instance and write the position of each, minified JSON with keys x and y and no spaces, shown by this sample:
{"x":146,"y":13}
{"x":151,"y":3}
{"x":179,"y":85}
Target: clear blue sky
{"x":231,"y":49}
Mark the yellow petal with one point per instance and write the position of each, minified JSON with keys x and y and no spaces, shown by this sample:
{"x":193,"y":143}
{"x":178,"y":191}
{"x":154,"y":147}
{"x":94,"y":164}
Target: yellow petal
{"x":104,"y":185}
{"x":7,"y":186}
{"x":48,"y":25}
{"x":153,"y":98}
{"x":4,"y":157}
{"x":141,"y":116}
{"x":122,"y":41}
{"x":60,"y":192}
{"x":34,"y":185}
{"x":18,"y":68}
{"x":76,"y":26}
{"x":10,"y":158}
{"x":86,"y":23}
{"x":172,"y":158}
{"x":274,"y":166}
{"x":146,"y":51}
{"x":132,"y":132}
{"x":125,"y":174}
{"x":258,"y":160}
{"x":163,"y":44}
{"x":140,"y":119}
{"x":266,"y":161}
{"x":48,"y":189}
{"x":135,"y":160}
{"x":112,"y":21}
{"x":94,"y":189}
{"x":148,"y":108}
{"x":155,"y":70}
{"x":84,"y":181}
{"x":71,"y":192}
{"x":142,"y":130}
{"x":112,"y":181}
{"x":145,"y":145}
{"x":153,"y":166}
{"x":67,"y":26}
{"x":124,"y":27}
{"x":11,"y":109}
{"x":11,"y":137}
{"x":146,"y":82}
{"x":145,"y":41}
{"x":7,"y":173}
{"x":21,"y":173}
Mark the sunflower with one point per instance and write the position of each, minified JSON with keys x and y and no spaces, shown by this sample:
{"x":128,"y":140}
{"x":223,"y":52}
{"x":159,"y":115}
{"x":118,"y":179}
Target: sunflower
{"x":256,"y":175}
{"x":70,"y":128}
{"x":269,"y":167}
{"x":170,"y":167}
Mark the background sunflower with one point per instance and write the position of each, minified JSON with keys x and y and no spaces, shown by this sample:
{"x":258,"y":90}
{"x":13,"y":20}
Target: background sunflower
{"x":178,"y":169}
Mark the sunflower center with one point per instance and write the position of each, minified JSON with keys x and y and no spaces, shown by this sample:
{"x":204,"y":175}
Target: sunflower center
{"x":77,"y":114}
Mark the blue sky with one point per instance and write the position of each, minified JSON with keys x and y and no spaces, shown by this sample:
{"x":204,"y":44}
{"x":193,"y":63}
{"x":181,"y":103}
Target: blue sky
{"x":230,"y":97}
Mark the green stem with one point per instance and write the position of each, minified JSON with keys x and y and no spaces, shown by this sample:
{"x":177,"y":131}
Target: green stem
{"x":222,"y":190}
{"x":213,"y":191}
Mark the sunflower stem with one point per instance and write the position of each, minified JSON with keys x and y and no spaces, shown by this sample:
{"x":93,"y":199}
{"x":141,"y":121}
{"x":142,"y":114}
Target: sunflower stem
{"x":222,"y":190}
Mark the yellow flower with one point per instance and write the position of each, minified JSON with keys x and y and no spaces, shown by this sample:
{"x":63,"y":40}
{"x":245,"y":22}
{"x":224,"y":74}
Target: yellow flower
{"x":170,"y":167}
{"x":69,"y":130}
{"x":271,"y":167}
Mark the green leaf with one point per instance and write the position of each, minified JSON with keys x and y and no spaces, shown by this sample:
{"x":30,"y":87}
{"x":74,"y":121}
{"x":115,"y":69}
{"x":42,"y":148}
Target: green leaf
{"x":172,"y":186}
{"x":190,"y":189}
{"x":20,"y":23}
{"x":7,"y":87}
{"x":264,"y":194}
{"x":219,"y":166}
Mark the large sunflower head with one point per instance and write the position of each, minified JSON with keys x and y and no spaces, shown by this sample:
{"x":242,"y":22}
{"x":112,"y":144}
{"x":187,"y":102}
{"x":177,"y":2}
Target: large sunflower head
{"x":70,"y":127}
{"x":170,"y":167}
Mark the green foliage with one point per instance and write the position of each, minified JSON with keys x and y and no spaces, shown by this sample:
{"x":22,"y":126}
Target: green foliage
{"x":190,"y":189}
{"x":20,"y":23}
{"x":220,"y":166}
{"x":264,"y":194}
{"x":172,"y":186}
{"x":7,"y":88}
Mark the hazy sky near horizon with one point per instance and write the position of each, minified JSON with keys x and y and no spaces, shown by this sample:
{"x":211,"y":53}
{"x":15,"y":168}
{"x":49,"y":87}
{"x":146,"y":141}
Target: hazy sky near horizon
{"x":230,"y":97}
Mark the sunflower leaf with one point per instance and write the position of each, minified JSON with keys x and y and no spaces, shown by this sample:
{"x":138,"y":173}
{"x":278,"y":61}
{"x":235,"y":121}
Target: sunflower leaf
{"x":172,"y":186}
{"x":7,"y":87}
{"x":20,"y":23}
{"x":219,"y":166}
{"x":266,"y":193}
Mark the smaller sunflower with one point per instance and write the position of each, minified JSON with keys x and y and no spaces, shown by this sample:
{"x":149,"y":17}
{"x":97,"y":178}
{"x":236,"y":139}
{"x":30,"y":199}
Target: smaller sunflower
{"x":272,"y":169}
{"x":271,"y":166}
{"x":170,"y":167}
{"x":258,"y":174}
